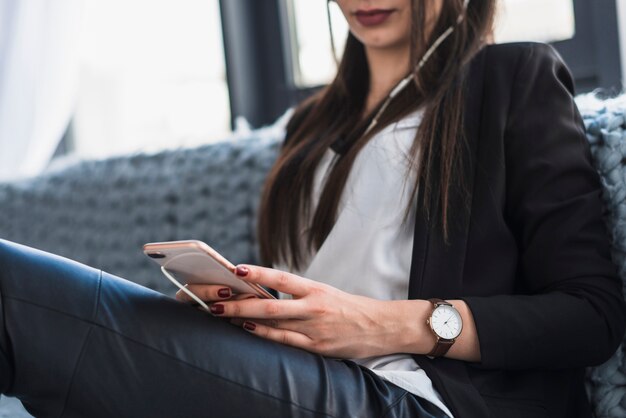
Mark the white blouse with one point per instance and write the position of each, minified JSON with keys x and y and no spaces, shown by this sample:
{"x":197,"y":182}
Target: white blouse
{"x":368,"y":251}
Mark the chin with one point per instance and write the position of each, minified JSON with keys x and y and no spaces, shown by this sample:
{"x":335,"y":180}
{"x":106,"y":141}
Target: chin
{"x":382,"y":37}
{"x":382,"y":42}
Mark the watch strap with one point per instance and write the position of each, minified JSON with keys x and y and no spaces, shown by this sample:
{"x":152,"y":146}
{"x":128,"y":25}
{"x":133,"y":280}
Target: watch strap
{"x":442,"y":345}
{"x":436,"y":302}
{"x":441,"y":348}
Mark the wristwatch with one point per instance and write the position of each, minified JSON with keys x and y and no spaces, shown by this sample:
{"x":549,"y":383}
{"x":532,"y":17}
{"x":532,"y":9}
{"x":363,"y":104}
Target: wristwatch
{"x":446,"y":323}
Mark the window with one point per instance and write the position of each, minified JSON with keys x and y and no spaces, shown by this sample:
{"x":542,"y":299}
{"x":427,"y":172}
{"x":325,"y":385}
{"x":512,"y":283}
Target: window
{"x":535,"y":20}
{"x":313,"y":61}
{"x":152,"y":76}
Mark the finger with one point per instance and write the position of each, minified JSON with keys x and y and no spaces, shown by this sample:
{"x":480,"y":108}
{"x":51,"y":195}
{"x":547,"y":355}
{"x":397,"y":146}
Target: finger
{"x":274,"y":323}
{"x":244,"y":296}
{"x":275,"y":279}
{"x":296,"y":325}
{"x":206,"y":292}
{"x":262,"y":308}
{"x":294,"y":339}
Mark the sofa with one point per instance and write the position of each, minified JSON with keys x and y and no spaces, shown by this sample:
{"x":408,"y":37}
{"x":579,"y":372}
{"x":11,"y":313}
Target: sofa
{"x":100,"y":212}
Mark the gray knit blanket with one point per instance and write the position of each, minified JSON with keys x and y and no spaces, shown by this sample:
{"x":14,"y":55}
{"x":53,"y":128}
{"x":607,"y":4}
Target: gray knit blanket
{"x":102,"y":212}
{"x":606,"y":132}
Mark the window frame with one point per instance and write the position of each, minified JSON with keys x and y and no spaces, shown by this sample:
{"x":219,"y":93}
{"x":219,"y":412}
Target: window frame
{"x":593,"y":54}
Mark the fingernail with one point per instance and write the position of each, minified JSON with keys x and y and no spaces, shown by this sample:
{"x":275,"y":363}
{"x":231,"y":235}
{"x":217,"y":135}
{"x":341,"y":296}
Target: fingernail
{"x":217,"y":309}
{"x":249,"y":326}
{"x":242,"y":271}
{"x":224,"y":293}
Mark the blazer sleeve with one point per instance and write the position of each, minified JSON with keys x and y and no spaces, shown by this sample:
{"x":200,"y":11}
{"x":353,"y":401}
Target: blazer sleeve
{"x":571,"y":312}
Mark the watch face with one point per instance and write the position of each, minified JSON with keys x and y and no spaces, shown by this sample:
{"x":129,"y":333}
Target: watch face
{"x":446,"y":322}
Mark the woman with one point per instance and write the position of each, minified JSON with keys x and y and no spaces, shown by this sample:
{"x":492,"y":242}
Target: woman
{"x":438,"y":197}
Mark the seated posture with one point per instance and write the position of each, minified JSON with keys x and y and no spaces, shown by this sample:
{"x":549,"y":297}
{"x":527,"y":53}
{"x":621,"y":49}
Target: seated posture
{"x":432,"y":226}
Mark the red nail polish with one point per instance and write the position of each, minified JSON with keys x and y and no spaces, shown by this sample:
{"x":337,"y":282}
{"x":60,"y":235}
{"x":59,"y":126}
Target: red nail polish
{"x":224,"y":293}
{"x":217,"y":309}
{"x":242,"y":271}
{"x":249,"y":326}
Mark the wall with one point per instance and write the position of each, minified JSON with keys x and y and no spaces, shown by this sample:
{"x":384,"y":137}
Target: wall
{"x":621,"y":16}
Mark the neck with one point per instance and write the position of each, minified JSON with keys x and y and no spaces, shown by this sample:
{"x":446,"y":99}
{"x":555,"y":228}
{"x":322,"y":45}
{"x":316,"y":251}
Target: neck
{"x":387,"y":67}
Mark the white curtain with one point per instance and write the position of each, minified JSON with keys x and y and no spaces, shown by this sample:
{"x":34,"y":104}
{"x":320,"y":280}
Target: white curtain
{"x":39,"y":62}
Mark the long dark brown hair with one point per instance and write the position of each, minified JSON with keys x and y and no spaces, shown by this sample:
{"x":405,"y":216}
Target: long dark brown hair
{"x":287,"y":229}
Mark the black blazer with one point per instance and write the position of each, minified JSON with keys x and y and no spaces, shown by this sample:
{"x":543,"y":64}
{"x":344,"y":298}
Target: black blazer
{"x":531,"y":255}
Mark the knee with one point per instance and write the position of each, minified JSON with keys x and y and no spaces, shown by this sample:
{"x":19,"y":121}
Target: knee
{"x":47,"y":280}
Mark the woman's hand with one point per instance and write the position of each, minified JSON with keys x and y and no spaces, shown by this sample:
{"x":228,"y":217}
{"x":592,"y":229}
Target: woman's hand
{"x":328,"y":321}
{"x":319,"y":318}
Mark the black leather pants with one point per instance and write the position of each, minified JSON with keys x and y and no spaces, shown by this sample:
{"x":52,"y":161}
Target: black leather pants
{"x":77,"y":342}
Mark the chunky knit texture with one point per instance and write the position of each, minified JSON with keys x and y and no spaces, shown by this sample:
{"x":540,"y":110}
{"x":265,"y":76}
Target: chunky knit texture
{"x":606,"y":132}
{"x":102,"y":212}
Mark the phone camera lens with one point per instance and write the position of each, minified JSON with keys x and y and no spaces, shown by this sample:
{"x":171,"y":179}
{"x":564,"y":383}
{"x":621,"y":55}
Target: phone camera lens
{"x":156,"y":255}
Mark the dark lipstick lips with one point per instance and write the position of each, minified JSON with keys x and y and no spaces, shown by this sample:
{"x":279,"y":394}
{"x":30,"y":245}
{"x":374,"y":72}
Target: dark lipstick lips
{"x":372,"y":17}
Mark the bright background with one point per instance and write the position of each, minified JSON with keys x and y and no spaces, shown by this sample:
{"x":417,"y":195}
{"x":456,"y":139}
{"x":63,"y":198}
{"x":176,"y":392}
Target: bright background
{"x":121,"y":76}
{"x":153,"y":75}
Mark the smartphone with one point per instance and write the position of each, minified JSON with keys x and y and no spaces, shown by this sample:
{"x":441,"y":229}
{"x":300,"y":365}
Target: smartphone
{"x":194,"y":262}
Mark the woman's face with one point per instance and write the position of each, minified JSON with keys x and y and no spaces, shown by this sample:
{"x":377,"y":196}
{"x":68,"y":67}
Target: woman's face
{"x":379,"y":24}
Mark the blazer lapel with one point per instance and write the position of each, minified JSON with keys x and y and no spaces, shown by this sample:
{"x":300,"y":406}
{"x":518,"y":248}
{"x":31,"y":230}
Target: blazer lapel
{"x":437,"y":266}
